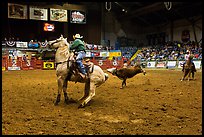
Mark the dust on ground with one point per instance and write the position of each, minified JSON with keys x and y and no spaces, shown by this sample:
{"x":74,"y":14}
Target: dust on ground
{"x":157,"y":103}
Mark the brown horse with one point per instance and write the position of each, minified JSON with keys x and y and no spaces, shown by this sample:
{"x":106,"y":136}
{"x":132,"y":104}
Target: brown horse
{"x":65,"y":73}
{"x":189,"y":68}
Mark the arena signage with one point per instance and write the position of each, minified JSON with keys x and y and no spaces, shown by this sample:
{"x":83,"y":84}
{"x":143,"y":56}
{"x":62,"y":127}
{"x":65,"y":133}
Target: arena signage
{"x":114,"y":53}
{"x":104,"y":54}
{"x":88,"y":54}
{"x":48,"y":27}
{"x":151,"y":64}
{"x":180,"y":64}
{"x":14,"y":68}
{"x":48,"y":65}
{"x":11,"y":43}
{"x":197,"y":64}
{"x":161,"y":64}
{"x":171,"y":64}
{"x":21,"y":44}
{"x":77,"y":17}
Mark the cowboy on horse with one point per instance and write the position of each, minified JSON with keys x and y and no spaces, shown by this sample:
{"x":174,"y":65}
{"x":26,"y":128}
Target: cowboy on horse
{"x":186,"y":57}
{"x":79,"y":50}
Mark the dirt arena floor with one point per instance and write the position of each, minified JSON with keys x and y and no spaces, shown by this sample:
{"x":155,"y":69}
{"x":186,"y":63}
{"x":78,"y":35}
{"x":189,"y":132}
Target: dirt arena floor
{"x":157,"y":103}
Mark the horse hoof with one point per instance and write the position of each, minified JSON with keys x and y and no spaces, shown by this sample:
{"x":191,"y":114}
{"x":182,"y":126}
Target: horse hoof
{"x":72,"y":101}
{"x":56,"y":103}
{"x":81,"y":106}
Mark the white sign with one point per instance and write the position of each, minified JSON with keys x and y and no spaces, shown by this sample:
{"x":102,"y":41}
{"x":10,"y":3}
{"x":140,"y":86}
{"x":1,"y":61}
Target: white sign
{"x":171,"y":64}
{"x":77,"y":17}
{"x":151,"y":64}
{"x":14,"y":68}
{"x":58,"y":15}
{"x":180,"y":64}
{"x":21,"y":44}
{"x":161,"y":64}
{"x":38,"y":13}
{"x":197,"y":64}
{"x":88,"y":54}
{"x":104,"y":54}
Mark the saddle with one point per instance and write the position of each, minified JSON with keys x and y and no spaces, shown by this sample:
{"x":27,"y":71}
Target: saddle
{"x":74,"y":69}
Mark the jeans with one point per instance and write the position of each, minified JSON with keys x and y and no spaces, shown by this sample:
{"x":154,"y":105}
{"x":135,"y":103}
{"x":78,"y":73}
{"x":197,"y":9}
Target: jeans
{"x":79,"y":58}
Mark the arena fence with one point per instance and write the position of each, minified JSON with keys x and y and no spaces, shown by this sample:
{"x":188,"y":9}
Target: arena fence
{"x":33,"y":63}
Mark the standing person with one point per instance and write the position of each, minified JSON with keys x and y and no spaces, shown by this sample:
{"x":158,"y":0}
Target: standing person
{"x":79,"y":48}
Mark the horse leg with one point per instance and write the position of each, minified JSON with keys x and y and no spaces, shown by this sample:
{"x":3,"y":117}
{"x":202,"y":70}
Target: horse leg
{"x":185,"y":74}
{"x":193,"y":74}
{"x":90,"y":96}
{"x":86,"y":91}
{"x":189,"y":74}
{"x":60,"y":85}
{"x":123,"y":83}
{"x":66,"y":99}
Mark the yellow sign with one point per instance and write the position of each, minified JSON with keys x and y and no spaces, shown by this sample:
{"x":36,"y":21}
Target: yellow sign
{"x":114,"y":54}
{"x":48,"y":65}
{"x":135,"y":55}
{"x":3,"y":68}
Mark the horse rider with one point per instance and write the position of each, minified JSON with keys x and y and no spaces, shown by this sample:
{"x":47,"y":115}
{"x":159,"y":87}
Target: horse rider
{"x":186,"y":57}
{"x":79,"y":47}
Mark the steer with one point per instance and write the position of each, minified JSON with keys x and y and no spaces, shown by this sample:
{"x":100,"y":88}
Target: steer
{"x":125,"y":73}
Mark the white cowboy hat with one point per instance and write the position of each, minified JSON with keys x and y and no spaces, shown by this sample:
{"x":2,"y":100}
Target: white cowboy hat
{"x":77,"y":36}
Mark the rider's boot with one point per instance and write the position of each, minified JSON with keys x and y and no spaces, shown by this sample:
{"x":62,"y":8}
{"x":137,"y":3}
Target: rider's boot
{"x":82,"y":70}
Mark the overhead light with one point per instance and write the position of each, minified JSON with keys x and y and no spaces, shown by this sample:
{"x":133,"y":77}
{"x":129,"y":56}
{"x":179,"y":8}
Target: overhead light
{"x":123,"y":9}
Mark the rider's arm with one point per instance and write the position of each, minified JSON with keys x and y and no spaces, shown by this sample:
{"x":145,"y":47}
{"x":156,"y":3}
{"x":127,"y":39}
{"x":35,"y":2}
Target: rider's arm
{"x":74,"y":45}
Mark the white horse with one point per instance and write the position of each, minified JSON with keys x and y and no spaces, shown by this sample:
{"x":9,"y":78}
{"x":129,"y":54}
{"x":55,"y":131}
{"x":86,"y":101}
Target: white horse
{"x":65,"y":73}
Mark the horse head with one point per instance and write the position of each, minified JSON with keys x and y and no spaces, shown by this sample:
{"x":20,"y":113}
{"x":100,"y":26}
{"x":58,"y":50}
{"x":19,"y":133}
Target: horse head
{"x":60,"y":42}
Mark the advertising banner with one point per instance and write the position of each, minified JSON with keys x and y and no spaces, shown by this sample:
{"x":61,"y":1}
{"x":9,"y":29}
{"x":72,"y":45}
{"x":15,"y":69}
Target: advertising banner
{"x":95,"y":54}
{"x":48,"y":65}
{"x":3,"y":68}
{"x":11,"y":43}
{"x":197,"y":64}
{"x":21,"y":44}
{"x":160,"y":64}
{"x":58,"y":15}
{"x":49,"y":27}
{"x":114,"y":53}
{"x":14,"y":68}
{"x":88,"y":54}
{"x":151,"y":64}
{"x":77,"y":17}
{"x":38,"y":13}
{"x":17,"y":11}
{"x":171,"y":64}
{"x":180,"y":64}
{"x":104,"y":54}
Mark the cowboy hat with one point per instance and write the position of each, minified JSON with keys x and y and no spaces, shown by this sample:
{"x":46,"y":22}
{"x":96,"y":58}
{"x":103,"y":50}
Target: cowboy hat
{"x":77,"y":36}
